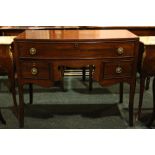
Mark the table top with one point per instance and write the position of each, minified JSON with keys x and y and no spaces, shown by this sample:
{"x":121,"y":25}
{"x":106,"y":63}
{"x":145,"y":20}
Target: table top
{"x":6,"y":40}
{"x":58,"y":35}
{"x":147,"y":40}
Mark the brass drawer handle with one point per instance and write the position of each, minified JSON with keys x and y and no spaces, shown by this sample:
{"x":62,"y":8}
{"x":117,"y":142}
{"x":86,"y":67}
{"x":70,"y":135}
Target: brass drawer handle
{"x":34,"y":71}
{"x":33,"y":51}
{"x":120,"y":50}
{"x":119,"y":70}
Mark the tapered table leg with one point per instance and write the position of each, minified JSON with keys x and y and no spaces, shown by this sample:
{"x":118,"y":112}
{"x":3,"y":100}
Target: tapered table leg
{"x":11,"y":77}
{"x":131,"y":102}
{"x":2,"y":119}
{"x":142,"y":85}
{"x":153,"y":114}
{"x":21,"y":106}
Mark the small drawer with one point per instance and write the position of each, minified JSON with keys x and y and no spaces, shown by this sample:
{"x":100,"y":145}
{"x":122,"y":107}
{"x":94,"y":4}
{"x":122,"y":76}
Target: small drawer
{"x":119,"y":69}
{"x":35,"y":70}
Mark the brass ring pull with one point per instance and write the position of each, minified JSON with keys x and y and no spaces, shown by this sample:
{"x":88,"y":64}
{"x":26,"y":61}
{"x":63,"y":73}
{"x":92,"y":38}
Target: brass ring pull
{"x":34,"y":71}
{"x":119,"y":70}
{"x":120,"y":50}
{"x":33,"y":51}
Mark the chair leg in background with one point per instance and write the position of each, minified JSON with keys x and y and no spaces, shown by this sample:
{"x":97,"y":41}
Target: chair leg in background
{"x":90,"y":78}
{"x":147,"y":83}
{"x":62,"y":68}
{"x":31,"y":92}
{"x":83,"y":73}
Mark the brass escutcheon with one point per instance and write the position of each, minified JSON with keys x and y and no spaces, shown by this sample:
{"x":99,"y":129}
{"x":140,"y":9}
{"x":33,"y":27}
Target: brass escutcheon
{"x":120,"y":50}
{"x":34,"y":71}
{"x":33,"y":51}
{"x":76,"y":45}
{"x":118,"y":70}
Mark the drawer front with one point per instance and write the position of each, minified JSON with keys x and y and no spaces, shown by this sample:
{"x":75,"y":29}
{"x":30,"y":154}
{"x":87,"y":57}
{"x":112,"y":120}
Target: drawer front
{"x":76,"y":50}
{"x":117,"y":69}
{"x":35,"y":70}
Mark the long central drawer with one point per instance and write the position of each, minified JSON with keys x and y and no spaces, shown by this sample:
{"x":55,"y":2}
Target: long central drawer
{"x":76,"y":50}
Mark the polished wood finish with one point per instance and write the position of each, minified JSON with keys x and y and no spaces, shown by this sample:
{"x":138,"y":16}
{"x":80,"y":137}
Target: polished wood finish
{"x":42,"y":54}
{"x":138,"y":30}
{"x":147,"y":70}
